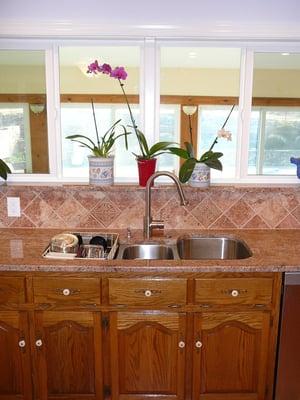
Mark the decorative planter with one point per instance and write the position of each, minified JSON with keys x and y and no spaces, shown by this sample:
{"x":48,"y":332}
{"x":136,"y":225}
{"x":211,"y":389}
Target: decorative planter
{"x":200,"y":176}
{"x":101,"y":170}
{"x":146,"y":168}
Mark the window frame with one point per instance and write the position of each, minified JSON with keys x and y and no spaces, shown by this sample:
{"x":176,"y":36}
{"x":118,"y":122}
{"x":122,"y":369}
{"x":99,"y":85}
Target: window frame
{"x":149,"y":96}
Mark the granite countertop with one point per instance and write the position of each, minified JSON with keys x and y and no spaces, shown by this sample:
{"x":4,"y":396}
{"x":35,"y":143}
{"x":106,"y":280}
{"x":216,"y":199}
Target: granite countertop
{"x":273,"y":251}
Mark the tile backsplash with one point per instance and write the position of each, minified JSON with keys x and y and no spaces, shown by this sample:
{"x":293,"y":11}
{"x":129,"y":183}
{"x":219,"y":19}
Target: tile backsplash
{"x":122,"y":206}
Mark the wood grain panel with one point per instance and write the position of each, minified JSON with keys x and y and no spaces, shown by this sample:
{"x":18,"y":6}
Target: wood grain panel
{"x":160,"y":292}
{"x":15,"y":366}
{"x":39,"y":142}
{"x":12,"y":290}
{"x":220,"y":291}
{"x":231,"y":362}
{"x":84,"y":291}
{"x":69,"y":356}
{"x":146,"y":358}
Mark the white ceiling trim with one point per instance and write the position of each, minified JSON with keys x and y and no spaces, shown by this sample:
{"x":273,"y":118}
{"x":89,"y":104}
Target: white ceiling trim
{"x":208,"y":30}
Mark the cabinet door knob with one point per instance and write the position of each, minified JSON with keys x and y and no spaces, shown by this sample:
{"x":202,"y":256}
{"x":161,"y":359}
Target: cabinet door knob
{"x":148,"y":293}
{"x":198,"y":344}
{"x":181,"y":344}
{"x":235,"y":293}
{"x":66,"y":292}
{"x":38,"y":343}
{"x":22,"y":343}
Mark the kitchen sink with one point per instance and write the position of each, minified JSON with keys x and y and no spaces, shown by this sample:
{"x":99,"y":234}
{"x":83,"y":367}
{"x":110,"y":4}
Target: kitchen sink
{"x":146,"y":251}
{"x":211,"y":248}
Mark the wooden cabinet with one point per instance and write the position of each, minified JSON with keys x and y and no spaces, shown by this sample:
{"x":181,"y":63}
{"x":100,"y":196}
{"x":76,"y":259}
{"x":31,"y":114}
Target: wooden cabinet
{"x":67,"y":354}
{"x":172,"y":336}
{"x":230,"y":355}
{"x":147,"y":355}
{"x":15,"y":364}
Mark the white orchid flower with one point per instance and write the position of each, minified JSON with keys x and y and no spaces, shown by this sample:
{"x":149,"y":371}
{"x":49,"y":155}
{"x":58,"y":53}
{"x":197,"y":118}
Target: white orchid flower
{"x":225,"y":134}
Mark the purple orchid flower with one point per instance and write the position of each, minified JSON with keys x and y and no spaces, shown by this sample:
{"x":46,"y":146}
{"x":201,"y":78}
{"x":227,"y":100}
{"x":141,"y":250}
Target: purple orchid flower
{"x":119,"y":73}
{"x":94,"y":67}
{"x":106,"y":69}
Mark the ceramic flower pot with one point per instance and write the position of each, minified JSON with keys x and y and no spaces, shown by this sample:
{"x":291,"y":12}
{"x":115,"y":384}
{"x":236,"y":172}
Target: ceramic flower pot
{"x":200,"y":176}
{"x":146,"y":168}
{"x":101,"y":170}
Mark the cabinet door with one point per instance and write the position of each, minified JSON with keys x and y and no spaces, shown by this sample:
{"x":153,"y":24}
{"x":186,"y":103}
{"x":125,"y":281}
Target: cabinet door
{"x":68,"y":355}
{"x":230,"y":355}
{"x":15,"y":371}
{"x":147,"y":355}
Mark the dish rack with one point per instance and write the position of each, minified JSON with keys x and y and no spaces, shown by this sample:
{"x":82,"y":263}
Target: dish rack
{"x":112,"y":240}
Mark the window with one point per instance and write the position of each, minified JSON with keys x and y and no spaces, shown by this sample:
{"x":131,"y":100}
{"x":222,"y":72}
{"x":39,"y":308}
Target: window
{"x":14,"y":137}
{"x":211,"y":119}
{"x":23,"y":111}
{"x":78,"y":88}
{"x":198,"y":76}
{"x":274,"y":139}
{"x":275,"y":118}
{"x":41,"y":80}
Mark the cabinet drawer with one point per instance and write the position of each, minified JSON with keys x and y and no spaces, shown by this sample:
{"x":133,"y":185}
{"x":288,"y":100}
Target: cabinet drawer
{"x":12,"y":290}
{"x":141,"y":292}
{"x":84,"y":291}
{"x":234,"y":291}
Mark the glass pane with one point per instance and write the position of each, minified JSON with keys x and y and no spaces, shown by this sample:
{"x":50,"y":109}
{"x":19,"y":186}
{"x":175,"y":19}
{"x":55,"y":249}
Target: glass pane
{"x":205,"y":78}
{"x":169,"y":132}
{"x":78,"y":88}
{"x":211,"y":119}
{"x":23,"y":116}
{"x":275,"y":117}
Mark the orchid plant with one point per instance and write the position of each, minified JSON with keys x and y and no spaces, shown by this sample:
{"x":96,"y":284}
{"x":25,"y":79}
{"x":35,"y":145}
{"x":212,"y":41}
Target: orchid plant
{"x":4,"y":170}
{"x":120,"y":74}
{"x":210,"y":157}
{"x":104,"y":144}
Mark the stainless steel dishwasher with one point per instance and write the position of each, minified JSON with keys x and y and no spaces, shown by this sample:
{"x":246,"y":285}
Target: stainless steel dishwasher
{"x":288,"y":372}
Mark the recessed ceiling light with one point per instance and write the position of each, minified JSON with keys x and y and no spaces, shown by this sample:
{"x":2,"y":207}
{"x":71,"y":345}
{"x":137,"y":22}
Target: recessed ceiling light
{"x":285,"y":54}
{"x":192,"y":54}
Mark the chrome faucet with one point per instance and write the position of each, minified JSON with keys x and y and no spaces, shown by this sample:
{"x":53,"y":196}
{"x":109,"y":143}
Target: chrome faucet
{"x":149,"y":223}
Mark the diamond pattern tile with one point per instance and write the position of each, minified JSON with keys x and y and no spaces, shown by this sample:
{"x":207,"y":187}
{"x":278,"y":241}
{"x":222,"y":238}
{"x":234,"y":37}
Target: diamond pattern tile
{"x":120,"y":206}
{"x":106,"y":212}
{"x":240,"y":213}
{"x":206,"y":212}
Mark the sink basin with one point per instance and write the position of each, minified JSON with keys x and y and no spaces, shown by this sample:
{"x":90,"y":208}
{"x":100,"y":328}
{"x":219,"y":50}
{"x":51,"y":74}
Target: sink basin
{"x":211,"y":248}
{"x":146,"y":251}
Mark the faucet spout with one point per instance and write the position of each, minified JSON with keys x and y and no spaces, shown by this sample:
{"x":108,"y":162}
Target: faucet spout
{"x":149,"y":223}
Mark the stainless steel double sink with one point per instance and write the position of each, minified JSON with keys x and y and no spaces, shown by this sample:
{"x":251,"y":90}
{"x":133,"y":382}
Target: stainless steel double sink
{"x":188,"y":248}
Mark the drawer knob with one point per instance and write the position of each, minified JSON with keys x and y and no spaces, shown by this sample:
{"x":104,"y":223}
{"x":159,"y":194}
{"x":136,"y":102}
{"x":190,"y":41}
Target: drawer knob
{"x":38,"y":343}
{"x":148,"y":293}
{"x":66,"y":292}
{"x":198,"y":344}
{"x":235,"y":293}
{"x":181,"y":344}
{"x":22,"y":343}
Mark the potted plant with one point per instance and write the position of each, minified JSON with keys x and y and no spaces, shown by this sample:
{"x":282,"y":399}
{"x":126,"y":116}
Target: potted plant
{"x":101,"y":162}
{"x":194,"y":170}
{"x":147,"y":158}
{"x":4,"y":170}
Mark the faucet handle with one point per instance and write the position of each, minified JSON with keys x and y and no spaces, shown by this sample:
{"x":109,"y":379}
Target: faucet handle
{"x":157,"y":224}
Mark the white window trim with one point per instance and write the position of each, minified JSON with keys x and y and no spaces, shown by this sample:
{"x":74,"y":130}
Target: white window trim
{"x":149,"y":97}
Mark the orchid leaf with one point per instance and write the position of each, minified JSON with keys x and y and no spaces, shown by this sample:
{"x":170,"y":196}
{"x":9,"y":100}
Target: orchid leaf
{"x":4,"y":170}
{"x":179,"y":152}
{"x":72,"y":137}
{"x":189,"y":149}
{"x":143,"y":143}
{"x":84,"y":144}
{"x":187,"y":169}
{"x":158,"y":147}
{"x":214,"y":163}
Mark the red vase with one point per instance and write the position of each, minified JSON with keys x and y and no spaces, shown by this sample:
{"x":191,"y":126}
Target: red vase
{"x":146,"y":169}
